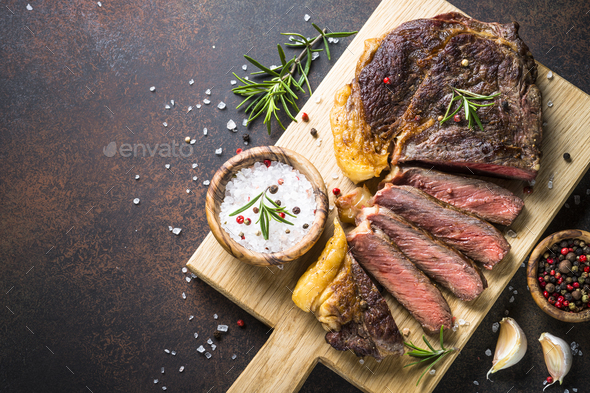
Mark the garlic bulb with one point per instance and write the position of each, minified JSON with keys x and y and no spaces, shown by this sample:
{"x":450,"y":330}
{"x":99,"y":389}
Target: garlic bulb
{"x":558,"y":357}
{"x":511,"y":346}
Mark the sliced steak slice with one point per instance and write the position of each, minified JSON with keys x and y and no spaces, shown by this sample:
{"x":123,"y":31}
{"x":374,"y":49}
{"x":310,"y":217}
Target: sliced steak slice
{"x":439,"y":261}
{"x":373,"y":332}
{"x":476,"y":238}
{"x":484,"y":199}
{"x":412,"y":289}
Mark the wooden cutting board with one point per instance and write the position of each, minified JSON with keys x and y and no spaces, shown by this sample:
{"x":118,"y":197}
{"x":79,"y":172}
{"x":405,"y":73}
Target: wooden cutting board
{"x":297,"y":342}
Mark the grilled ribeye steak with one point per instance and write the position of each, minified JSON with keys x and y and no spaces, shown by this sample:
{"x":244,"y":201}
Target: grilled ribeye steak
{"x":476,"y":238}
{"x":411,"y":288}
{"x":440,"y":262}
{"x":423,"y":60}
{"x":484,"y":199}
{"x":372,"y":331}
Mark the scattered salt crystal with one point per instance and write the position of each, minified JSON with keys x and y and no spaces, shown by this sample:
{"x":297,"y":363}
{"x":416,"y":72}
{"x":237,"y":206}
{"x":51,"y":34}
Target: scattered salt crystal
{"x":176,"y":231}
{"x":190,"y":318}
{"x":495,"y":327}
{"x":515,"y":292}
{"x":362,"y":361}
{"x":196,"y":335}
{"x":488,"y":352}
{"x":208,"y":92}
{"x":318,"y":99}
{"x":574,"y":390}
{"x":454,"y":328}
{"x":206,"y":101}
{"x":331,"y":207}
{"x":29,"y":7}
{"x":98,"y":3}
{"x":306,"y":17}
{"x":173,"y":353}
{"x":195,"y":165}
{"x":476,"y":383}
{"x":188,"y":191}
{"x":167,"y":166}
{"x":201,"y":349}
{"x":181,"y":369}
{"x":162,"y":370}
{"x":184,"y":295}
{"x":246,"y":78}
{"x":195,"y":178}
{"x":245,"y":67}
{"x":234,"y":356}
{"x":545,"y":382}
{"x":207,"y":355}
{"x":550,"y":184}
{"x":580,"y":353}
{"x":550,"y":104}
{"x":190,"y":108}
{"x":188,"y":279}
{"x":136,"y":177}
{"x":550,"y":75}
{"x":167,"y":106}
{"x":291,"y":38}
{"x":231,"y":125}
{"x":330,"y":40}
{"x":167,"y":350}
{"x":506,"y":312}
{"x":165,"y":124}
{"x":567,"y":205}
{"x":222,"y":328}
{"x":193,"y":275}
{"x":193,"y":141}
{"x":577,"y":199}
{"x":280,"y":267}
{"x":319,"y":142}
{"x":335,"y":176}
{"x":221,"y":105}
{"x":218,"y":151}
{"x":172,"y":102}
{"x":205,"y":131}
{"x":184,"y":270}
{"x":246,"y":143}
{"x":511,"y":233}
{"x":315,"y":55}
{"x":136,"y":201}
{"x":233,"y":82}
{"x":461,"y":322}
{"x":156,"y":380}
{"x":245,"y":122}
{"x":335,"y":40}
{"x":209,"y":341}
{"x":213,"y":346}
{"x":215,"y":316}
{"x":153,"y":88}
{"x":164,"y":388}
{"x":191,"y":82}
{"x":206,"y":182}
{"x":198,"y":106}
{"x":566,"y":391}
{"x":510,"y":288}
{"x":170,"y":228}
{"x":432,"y":372}
{"x":532,"y":182}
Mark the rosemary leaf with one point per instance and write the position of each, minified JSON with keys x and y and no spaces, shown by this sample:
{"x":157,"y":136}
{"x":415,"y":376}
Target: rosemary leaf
{"x":281,"y":54}
{"x":246,"y":206}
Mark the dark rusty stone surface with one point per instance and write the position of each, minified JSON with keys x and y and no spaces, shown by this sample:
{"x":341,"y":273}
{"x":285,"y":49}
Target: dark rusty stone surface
{"x":91,"y":284}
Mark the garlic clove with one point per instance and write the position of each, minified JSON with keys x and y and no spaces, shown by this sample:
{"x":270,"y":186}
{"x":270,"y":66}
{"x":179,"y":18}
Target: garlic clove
{"x":511,"y":346}
{"x":558,"y":357}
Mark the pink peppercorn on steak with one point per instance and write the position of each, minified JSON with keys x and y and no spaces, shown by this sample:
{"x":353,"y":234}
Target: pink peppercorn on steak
{"x":448,"y":91}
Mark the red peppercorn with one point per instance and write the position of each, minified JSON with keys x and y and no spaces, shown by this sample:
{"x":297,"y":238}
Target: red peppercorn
{"x":569,"y":287}
{"x":541,"y":279}
{"x":280,"y":181}
{"x":247,"y":221}
{"x":550,"y":261}
{"x":560,"y":280}
{"x":551,"y":300}
{"x":546,"y":294}
{"x":527,"y":190}
{"x":281,"y":214}
{"x":386,"y":80}
{"x":240,"y":219}
{"x":570,"y":249}
{"x":560,"y":298}
{"x":243,"y":237}
{"x":417,"y":118}
{"x":238,"y":151}
{"x":336,"y":191}
{"x":558,"y":304}
{"x":566,"y":303}
{"x":552,"y":272}
{"x":305,"y":117}
{"x":241,"y":323}
{"x":564,"y":251}
{"x":542,"y":284}
{"x":267,"y":163}
{"x":557,"y":275}
{"x":587,"y":269}
{"x":583,"y":258}
{"x":576,"y":284}
{"x":549,"y":379}
{"x":457,"y":118}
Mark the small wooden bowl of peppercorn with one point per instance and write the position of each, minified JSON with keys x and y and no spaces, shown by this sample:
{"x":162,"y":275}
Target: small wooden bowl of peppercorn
{"x":558,"y":275}
{"x":312,"y":228}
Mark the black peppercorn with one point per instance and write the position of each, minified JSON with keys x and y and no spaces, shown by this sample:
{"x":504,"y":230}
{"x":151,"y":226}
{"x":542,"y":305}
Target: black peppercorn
{"x":561,"y":257}
{"x":255,"y":210}
{"x":586,"y":250}
{"x":505,"y":105}
{"x":278,"y":202}
{"x":305,"y":226}
{"x":568,"y":296}
{"x":246,"y":137}
{"x":313,"y":132}
{"x":273,"y":189}
{"x":563,"y":244}
{"x":296,"y":210}
{"x":578,"y":251}
{"x":552,"y":280}
{"x":576,"y":242}
{"x":566,"y":156}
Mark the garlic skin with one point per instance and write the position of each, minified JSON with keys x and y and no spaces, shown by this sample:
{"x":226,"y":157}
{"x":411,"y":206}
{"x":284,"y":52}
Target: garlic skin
{"x":510,"y":348}
{"x":558,"y":357}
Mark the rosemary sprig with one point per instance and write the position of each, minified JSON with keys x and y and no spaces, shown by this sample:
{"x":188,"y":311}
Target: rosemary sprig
{"x":428,"y":355}
{"x":266,"y":212}
{"x":269,"y":96}
{"x":466,"y":97}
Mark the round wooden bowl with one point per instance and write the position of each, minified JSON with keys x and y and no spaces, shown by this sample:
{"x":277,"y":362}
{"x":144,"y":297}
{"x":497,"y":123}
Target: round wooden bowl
{"x":535,"y":288}
{"x":216,"y":194}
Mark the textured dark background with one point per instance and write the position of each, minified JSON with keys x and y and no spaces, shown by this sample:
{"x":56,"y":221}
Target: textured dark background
{"x":90,"y":283}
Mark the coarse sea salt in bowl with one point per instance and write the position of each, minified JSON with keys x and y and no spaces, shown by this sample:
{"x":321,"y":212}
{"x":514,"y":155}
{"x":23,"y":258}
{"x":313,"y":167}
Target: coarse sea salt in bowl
{"x":244,"y":177}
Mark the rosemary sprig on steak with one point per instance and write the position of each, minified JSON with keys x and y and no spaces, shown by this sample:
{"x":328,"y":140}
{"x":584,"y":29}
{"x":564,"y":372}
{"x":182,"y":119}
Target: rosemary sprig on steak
{"x":428,"y":355}
{"x":466,"y":99}
{"x":269,"y":96}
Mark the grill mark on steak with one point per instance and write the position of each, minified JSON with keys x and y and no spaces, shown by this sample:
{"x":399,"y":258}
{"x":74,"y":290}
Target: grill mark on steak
{"x":474,"y":237}
{"x":486,"y":200}
{"x":439,"y":261}
{"x":422,"y":59}
{"x":412,"y":289}
{"x":376,"y":333}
